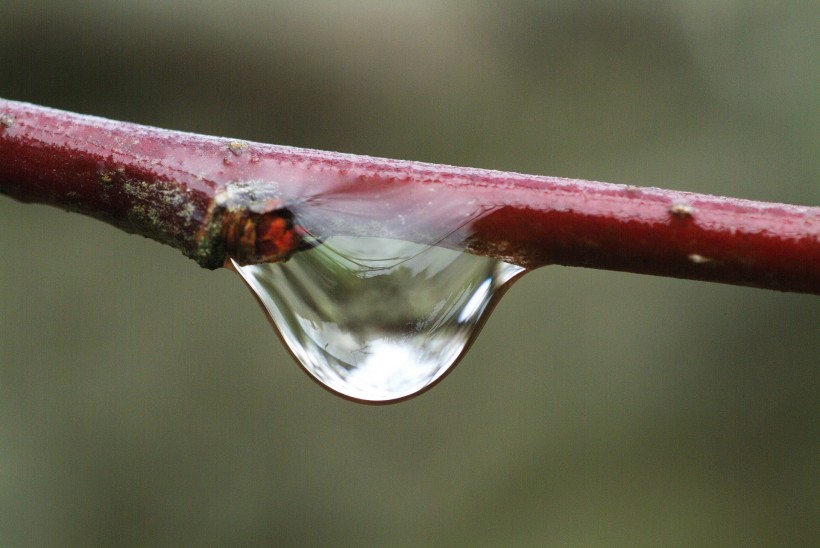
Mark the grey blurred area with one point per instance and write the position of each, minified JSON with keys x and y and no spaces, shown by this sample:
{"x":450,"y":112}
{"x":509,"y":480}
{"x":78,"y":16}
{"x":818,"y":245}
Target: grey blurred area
{"x":146,"y":402}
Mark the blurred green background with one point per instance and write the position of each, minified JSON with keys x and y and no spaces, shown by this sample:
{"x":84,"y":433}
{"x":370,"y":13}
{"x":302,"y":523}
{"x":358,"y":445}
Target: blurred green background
{"x":146,"y":402}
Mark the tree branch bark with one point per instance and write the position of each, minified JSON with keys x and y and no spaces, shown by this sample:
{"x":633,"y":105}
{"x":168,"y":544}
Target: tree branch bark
{"x":216,"y":198}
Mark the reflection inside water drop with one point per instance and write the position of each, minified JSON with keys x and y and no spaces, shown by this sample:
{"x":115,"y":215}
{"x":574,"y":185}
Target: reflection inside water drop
{"x":378,"y":319}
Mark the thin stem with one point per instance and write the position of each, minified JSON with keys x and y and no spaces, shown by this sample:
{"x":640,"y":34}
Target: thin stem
{"x":215,"y":198}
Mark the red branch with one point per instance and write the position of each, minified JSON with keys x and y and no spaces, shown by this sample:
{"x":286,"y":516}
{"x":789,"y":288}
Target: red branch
{"x":213,"y":198}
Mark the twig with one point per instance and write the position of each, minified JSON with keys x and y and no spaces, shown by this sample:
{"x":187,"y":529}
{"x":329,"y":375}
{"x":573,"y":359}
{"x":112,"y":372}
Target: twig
{"x":215,"y":198}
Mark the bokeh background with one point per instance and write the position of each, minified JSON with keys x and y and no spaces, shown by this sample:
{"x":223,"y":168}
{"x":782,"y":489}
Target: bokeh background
{"x":146,"y":402}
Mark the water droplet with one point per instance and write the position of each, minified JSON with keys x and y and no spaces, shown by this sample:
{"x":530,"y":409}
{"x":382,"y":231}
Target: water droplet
{"x":377,"y":319}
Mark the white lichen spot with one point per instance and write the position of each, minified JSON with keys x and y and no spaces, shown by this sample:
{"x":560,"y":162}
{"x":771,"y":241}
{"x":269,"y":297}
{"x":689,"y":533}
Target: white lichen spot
{"x":681,"y":211}
{"x":237,"y":148}
{"x":699,"y":259}
{"x":187,"y":211}
{"x":6,"y":120}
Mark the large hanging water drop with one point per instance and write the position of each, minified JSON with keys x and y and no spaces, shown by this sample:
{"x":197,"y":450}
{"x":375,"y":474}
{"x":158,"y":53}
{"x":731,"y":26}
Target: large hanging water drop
{"x":376,"y":319}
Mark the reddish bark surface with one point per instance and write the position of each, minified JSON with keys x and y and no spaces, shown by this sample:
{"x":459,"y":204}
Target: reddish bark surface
{"x":213,"y":198}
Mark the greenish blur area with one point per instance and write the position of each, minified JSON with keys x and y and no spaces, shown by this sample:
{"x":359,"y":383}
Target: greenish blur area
{"x":147,"y":402}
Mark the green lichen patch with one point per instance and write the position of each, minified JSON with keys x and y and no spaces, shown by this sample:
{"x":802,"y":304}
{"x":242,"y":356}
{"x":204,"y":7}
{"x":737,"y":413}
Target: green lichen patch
{"x":164,"y":210}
